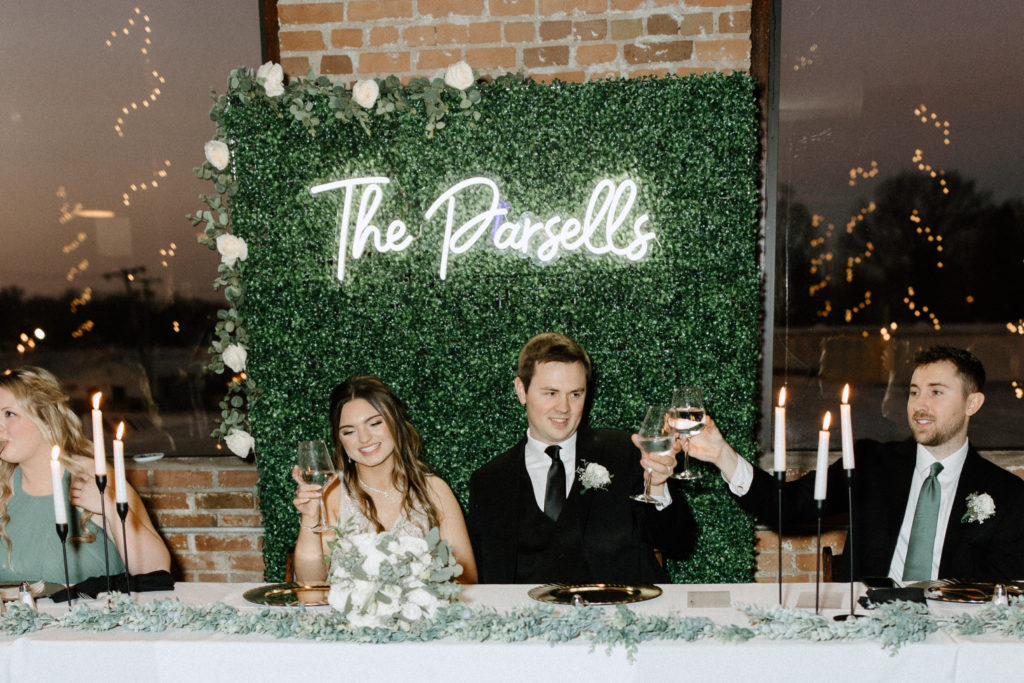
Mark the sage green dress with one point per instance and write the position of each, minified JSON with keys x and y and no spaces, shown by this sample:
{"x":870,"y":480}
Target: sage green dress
{"x":36,"y":548}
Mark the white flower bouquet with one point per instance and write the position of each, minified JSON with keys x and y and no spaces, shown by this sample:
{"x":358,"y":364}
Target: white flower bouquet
{"x":389,"y":581}
{"x":594,"y":476}
{"x":980,"y":507}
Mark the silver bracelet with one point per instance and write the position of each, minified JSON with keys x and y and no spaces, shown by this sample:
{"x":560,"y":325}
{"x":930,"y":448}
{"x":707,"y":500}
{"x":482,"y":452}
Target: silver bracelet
{"x":308,"y":528}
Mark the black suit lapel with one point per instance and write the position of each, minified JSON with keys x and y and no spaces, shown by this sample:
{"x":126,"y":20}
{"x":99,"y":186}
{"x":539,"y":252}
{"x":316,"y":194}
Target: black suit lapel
{"x":971,"y":481}
{"x":900,"y":473}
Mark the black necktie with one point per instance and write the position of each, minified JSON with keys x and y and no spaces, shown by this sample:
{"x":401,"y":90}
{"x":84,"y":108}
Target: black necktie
{"x":554,"y":494}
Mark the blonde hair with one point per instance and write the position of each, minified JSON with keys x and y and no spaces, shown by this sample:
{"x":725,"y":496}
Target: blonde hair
{"x":42,"y":398}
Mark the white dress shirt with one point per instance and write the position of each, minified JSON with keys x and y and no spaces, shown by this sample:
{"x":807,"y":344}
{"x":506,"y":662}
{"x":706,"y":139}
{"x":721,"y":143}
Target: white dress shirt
{"x":538,"y":462}
{"x":948,"y":478}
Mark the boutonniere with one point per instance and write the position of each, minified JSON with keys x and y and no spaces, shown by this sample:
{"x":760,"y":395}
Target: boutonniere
{"x":980,"y":507}
{"x":594,"y":476}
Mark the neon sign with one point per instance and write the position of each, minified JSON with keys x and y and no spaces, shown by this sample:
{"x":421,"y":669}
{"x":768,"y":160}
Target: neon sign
{"x":602,"y":230}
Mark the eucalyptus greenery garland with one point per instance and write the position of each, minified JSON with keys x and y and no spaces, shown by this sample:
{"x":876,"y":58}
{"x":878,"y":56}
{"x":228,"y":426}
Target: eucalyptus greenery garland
{"x":892,"y":625}
{"x":688,"y":314}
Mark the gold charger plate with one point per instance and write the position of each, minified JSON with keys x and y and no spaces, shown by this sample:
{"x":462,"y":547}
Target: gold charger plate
{"x":289,"y":594}
{"x":593,"y":593}
{"x":968,"y":591}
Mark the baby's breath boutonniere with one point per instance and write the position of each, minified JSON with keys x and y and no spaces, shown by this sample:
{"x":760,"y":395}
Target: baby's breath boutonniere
{"x":594,"y":476}
{"x":980,"y":507}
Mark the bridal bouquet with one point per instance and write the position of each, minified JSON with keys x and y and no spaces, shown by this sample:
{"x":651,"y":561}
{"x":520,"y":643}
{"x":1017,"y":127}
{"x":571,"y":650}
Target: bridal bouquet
{"x":390,"y":581}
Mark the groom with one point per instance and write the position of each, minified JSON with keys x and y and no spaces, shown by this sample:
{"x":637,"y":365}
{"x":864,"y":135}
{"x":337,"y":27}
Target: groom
{"x":534,"y":517}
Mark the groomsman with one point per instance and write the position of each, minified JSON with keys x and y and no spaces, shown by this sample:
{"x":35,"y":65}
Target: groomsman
{"x":927,"y":508}
{"x":532,"y":519}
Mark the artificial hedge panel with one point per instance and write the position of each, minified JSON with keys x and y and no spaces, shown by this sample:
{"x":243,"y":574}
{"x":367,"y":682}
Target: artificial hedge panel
{"x":687,"y":314}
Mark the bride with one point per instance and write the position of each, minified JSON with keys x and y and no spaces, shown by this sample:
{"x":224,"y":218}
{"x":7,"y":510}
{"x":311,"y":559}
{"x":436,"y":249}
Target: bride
{"x":384,"y":486}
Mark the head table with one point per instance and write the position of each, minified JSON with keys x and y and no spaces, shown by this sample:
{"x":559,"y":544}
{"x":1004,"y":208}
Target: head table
{"x":120,"y":654}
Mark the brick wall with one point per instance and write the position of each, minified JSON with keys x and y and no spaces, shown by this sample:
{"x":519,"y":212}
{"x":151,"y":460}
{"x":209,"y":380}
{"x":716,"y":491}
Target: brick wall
{"x":573,"y":40}
{"x":207,"y":511}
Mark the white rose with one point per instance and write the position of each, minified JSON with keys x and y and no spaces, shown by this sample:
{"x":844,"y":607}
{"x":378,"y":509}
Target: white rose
{"x":218,"y":154}
{"x":369,"y":620}
{"x":412,"y":544}
{"x":986,"y":506}
{"x":234,"y":357}
{"x":411,"y":611}
{"x":338,"y":598}
{"x":365,"y":93}
{"x":240,"y":442}
{"x":459,"y":76}
{"x":231,"y":249}
{"x":271,"y":77}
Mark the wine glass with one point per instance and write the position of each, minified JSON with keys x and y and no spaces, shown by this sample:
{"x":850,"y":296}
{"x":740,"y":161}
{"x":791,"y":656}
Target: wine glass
{"x":688,"y":419}
{"x":655,"y":437}
{"x":317,"y":467}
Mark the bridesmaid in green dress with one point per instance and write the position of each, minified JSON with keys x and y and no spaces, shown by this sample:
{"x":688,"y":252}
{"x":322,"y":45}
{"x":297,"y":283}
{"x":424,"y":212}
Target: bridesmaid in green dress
{"x":35,"y":416}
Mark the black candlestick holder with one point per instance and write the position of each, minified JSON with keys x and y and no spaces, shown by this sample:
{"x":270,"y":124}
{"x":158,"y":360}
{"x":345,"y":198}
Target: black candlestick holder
{"x":817,"y":566}
{"x":62,"y":534}
{"x":122,"y":512}
{"x":849,"y":544}
{"x":780,"y":478}
{"x":101,"y":484}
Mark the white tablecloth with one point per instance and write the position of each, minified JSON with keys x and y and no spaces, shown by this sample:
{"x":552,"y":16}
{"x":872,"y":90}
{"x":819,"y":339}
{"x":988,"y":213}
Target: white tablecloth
{"x":111,"y":657}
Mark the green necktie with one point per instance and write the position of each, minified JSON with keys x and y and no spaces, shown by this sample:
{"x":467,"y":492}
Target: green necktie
{"x":922,"y":533}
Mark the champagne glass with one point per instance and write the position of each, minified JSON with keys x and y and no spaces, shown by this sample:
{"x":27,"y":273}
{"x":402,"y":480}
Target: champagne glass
{"x":688,"y":419}
{"x":317,"y":467}
{"x":655,"y":437}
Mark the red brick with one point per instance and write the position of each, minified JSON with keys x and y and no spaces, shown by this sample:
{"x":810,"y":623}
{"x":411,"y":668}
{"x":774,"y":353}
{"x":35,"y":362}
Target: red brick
{"x":415,"y":36}
{"x":627,"y":29}
{"x":228,"y":500}
{"x":806,"y":562}
{"x":232,"y":542}
{"x":555,"y":30}
{"x":212,"y":577}
{"x":674,"y":51}
{"x":442,"y":8}
{"x":237,"y":479}
{"x":734,"y":22}
{"x":246,"y":562}
{"x":491,"y":57}
{"x":368,"y":10}
{"x":650,"y":72}
{"x":601,"y":75}
{"x":193,"y":561}
{"x":383,"y":62}
{"x":452,"y":34}
{"x":590,"y":30}
{"x":549,"y":7}
{"x":167,"y":501}
{"x":485,"y":32}
{"x":691,"y":70}
{"x":566,"y":76}
{"x":551,"y":55}
{"x":241,"y":519}
{"x":511,"y":8}
{"x":138,"y":479}
{"x":697,"y":24}
{"x":383,"y":35}
{"x":705,"y":3}
{"x":177,"y":541}
{"x":723,"y":50}
{"x":295,"y":66}
{"x":312,"y":13}
{"x":595,"y":54}
{"x":524,"y":32}
{"x":438,"y":59}
{"x":183,"y":520}
{"x":301,"y":41}
{"x":662,"y":25}
{"x":182,"y":479}
{"x":626,"y":5}
{"x":335,"y":64}
{"x":347,"y":37}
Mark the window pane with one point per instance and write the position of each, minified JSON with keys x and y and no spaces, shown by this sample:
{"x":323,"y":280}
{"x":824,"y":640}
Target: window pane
{"x":900,"y":218}
{"x":105,"y":115}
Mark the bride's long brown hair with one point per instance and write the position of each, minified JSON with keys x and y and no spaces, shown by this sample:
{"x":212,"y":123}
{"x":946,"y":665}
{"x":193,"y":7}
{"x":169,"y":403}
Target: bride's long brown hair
{"x":409,"y":475}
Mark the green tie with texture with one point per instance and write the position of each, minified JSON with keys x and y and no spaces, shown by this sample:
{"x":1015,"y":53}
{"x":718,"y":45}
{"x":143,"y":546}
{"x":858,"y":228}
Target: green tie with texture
{"x":922,"y":533}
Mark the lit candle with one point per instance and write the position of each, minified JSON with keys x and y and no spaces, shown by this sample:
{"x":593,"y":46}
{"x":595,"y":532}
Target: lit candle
{"x":821,"y":473}
{"x":120,"y":485}
{"x":780,"y":432}
{"x":99,"y":453}
{"x":60,"y":512}
{"x":847,"y":426}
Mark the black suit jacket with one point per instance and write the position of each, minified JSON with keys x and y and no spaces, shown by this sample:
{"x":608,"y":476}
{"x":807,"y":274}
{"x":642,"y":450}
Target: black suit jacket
{"x":618,"y":534}
{"x":992,"y":550}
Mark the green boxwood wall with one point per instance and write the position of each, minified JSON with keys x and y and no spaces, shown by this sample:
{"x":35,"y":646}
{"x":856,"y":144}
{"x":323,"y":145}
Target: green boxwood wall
{"x":688,"y":314}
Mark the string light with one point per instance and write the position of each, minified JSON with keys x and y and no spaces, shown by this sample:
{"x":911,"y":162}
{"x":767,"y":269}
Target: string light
{"x":134,"y":22}
{"x":153,"y":183}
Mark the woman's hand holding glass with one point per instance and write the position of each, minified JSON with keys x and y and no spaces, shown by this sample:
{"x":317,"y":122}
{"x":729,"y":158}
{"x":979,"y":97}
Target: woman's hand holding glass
{"x":314,"y":473}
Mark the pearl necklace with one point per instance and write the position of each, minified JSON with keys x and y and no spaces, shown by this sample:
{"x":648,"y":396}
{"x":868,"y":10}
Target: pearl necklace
{"x":386,"y":492}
